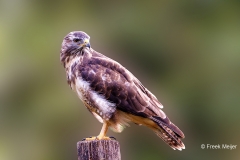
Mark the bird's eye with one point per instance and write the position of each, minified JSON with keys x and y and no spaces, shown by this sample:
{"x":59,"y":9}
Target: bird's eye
{"x":76,"y":40}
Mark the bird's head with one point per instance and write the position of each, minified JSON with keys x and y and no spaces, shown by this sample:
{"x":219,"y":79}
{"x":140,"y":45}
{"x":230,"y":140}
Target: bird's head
{"x":73,"y":43}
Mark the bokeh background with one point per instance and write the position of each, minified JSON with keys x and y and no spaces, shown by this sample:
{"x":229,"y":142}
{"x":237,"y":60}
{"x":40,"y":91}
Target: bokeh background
{"x":186,"y":52}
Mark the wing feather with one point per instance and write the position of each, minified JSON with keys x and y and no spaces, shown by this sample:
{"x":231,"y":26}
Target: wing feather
{"x":119,"y":86}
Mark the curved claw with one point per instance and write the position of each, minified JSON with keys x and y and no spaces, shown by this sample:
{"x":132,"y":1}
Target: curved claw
{"x":112,"y":138}
{"x":85,"y":139}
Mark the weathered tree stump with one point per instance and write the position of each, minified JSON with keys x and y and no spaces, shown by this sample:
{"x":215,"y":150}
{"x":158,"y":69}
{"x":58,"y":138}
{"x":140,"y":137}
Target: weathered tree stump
{"x":99,"y":150}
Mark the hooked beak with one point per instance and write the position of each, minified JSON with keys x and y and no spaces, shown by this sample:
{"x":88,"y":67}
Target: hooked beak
{"x":86,"y":43}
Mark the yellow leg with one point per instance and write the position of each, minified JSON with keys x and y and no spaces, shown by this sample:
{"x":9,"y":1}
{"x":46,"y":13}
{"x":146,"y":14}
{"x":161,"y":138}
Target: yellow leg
{"x":102,"y":134}
{"x":103,"y":131}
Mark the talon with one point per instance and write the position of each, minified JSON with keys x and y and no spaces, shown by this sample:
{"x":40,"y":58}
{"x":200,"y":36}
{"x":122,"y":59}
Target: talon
{"x":101,"y":135}
{"x":91,"y":138}
{"x":112,"y":138}
{"x":83,"y":139}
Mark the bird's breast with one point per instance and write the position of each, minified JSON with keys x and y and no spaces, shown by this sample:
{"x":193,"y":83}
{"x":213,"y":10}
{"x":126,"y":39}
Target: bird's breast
{"x":71,"y":70}
{"x":94,"y":101}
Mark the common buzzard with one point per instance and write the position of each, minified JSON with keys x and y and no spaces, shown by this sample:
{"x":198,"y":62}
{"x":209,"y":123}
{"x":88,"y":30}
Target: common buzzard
{"x":112,"y":93}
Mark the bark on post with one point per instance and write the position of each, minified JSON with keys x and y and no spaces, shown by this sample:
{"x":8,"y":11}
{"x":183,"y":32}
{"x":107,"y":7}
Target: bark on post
{"x":99,"y":150}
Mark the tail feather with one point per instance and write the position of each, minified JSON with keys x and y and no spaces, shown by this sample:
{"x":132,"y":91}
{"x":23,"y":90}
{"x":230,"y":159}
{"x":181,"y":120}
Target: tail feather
{"x":166,"y":121}
{"x":169,"y":136}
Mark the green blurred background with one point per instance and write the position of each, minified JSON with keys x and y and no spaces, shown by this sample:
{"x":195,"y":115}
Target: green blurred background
{"x":186,"y":52}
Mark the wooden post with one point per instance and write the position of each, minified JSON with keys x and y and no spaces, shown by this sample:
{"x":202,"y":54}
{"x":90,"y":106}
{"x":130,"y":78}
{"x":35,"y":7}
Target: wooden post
{"x":99,"y":150}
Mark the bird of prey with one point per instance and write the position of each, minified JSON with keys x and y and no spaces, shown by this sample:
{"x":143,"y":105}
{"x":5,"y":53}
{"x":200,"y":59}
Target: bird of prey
{"x":112,"y":93}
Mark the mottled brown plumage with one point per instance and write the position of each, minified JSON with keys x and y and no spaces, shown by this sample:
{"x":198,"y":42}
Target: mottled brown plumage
{"x":113,"y":94}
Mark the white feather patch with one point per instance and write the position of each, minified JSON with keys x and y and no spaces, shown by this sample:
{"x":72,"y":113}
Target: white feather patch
{"x":105,"y":107}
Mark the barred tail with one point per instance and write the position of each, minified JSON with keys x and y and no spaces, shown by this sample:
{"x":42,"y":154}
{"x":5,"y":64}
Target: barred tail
{"x":169,"y":133}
